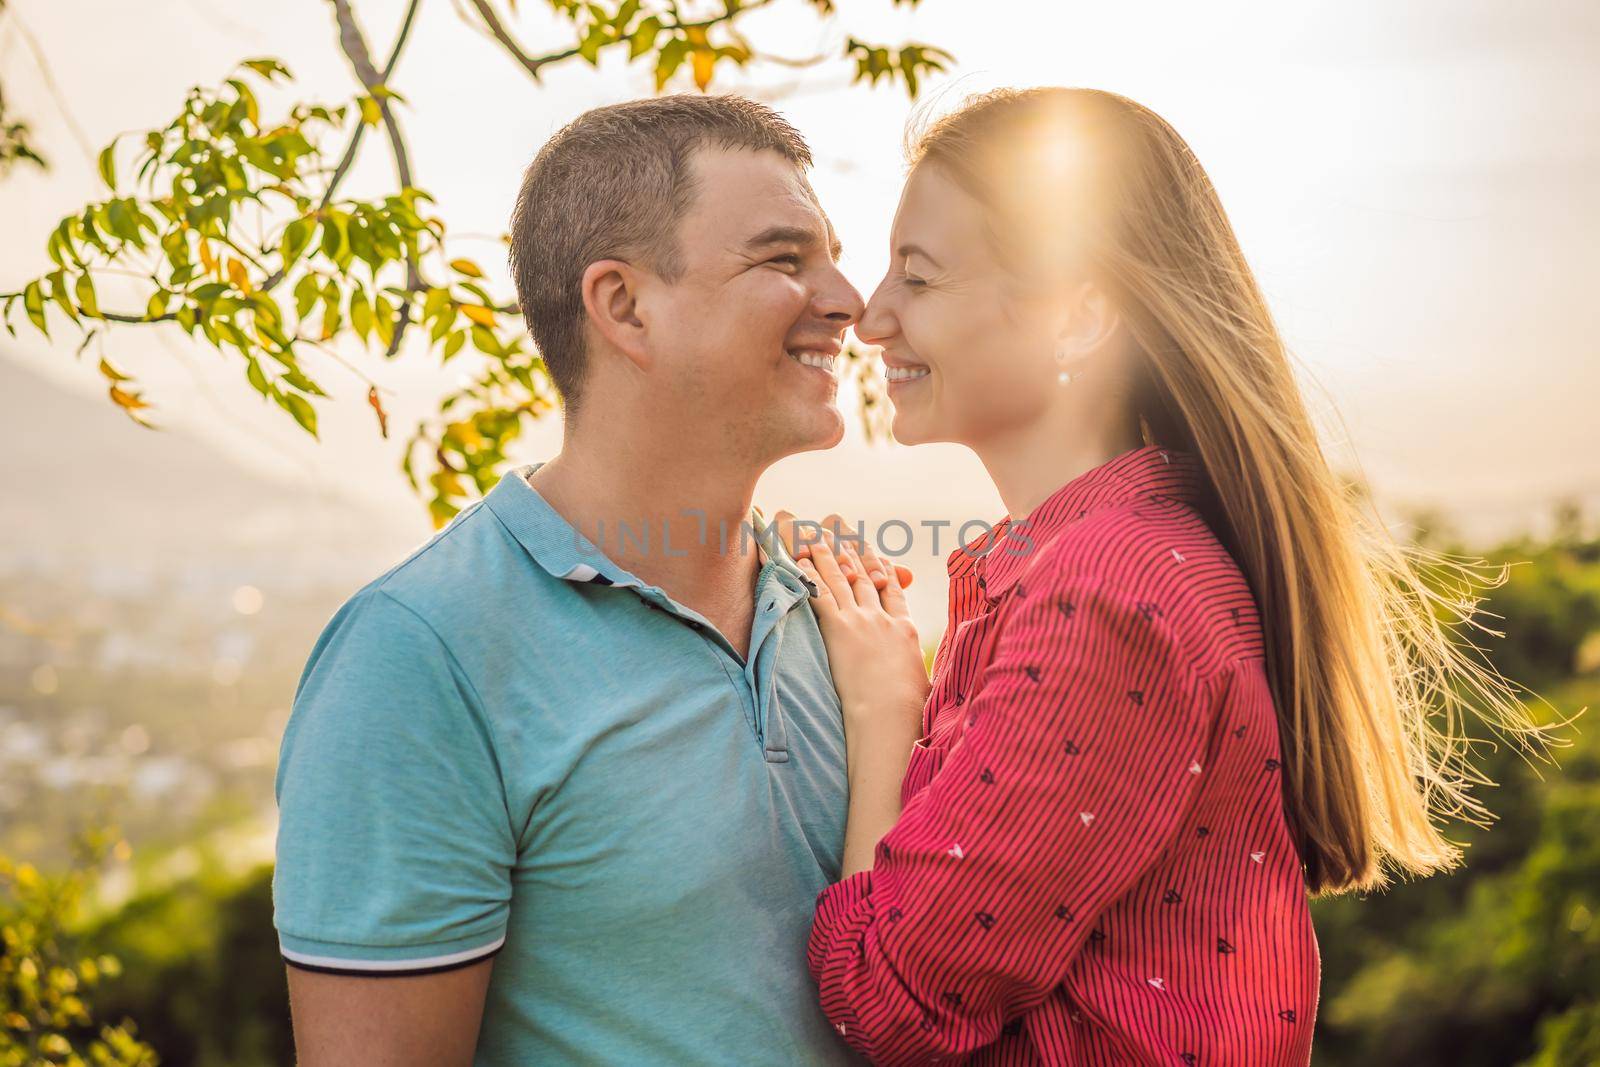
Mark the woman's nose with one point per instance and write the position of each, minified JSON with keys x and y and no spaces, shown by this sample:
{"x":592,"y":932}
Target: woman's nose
{"x":876,"y":323}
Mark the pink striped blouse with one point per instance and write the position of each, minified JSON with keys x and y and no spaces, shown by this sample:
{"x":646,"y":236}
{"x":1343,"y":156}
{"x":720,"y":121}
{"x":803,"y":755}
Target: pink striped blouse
{"x":1093,"y":864}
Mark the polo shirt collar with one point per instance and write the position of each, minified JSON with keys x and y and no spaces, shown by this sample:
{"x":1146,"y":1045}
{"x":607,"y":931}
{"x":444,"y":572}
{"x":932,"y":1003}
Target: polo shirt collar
{"x":557,"y":546}
{"x":999,"y":556}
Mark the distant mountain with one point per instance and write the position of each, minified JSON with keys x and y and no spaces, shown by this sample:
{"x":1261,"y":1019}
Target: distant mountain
{"x":81,"y":484}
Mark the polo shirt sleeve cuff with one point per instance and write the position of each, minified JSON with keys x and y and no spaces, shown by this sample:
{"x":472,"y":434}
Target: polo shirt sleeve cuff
{"x":377,"y":961}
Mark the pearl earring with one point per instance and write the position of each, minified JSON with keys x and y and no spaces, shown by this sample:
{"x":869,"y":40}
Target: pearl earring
{"x":1065,"y":377}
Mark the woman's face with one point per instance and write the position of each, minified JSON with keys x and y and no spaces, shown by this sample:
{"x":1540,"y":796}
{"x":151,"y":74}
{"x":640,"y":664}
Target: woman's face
{"x":966,"y":358}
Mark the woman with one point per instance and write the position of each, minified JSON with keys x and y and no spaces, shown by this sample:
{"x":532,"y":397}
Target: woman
{"x":1182,"y":691}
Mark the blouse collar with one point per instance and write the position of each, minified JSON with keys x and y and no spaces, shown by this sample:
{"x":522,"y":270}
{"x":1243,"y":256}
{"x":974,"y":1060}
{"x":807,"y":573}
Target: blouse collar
{"x":1000,"y":555}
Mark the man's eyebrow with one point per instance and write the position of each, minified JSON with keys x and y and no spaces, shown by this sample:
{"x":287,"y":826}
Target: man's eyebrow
{"x":907,"y":251}
{"x":792,"y":235}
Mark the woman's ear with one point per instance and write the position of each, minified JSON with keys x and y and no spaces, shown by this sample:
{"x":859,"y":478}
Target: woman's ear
{"x":610,"y":290}
{"x":1089,"y":320}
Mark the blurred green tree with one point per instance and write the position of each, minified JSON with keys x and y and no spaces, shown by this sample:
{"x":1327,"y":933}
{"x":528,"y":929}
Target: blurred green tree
{"x":232,"y":220}
{"x":1497,"y":963}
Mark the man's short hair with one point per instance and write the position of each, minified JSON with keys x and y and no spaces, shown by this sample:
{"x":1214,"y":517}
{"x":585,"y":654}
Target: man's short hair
{"x":613,"y":184}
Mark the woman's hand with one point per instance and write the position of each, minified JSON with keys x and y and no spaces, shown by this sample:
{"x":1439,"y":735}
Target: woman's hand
{"x":799,"y":540}
{"x":873,"y":650}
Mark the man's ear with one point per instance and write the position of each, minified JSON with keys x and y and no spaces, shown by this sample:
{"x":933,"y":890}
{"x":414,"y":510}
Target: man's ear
{"x":1088,"y":320}
{"x":610,"y":290}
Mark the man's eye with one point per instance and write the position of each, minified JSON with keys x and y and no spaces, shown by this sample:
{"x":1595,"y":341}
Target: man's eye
{"x":790,"y":260}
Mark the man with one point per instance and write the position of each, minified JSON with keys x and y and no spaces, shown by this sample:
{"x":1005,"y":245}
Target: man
{"x":557,"y":799}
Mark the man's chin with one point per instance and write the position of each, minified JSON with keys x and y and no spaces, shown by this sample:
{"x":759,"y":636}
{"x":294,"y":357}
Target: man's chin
{"x":821,"y":429}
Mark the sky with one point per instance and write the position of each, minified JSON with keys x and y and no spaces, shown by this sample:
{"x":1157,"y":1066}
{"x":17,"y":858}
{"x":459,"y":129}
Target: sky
{"x":1415,"y":185}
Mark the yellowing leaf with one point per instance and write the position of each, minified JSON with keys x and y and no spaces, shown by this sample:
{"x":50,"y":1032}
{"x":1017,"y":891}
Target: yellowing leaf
{"x":111,"y":372}
{"x":238,"y":275}
{"x":377,"y":406}
{"x":704,"y":62}
{"x":207,"y":260}
{"x":479,"y":314}
{"x":467,"y":267}
{"x":129,"y":401}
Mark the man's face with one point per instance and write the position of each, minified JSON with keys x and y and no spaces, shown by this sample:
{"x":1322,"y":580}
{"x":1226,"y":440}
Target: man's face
{"x":748,"y":334}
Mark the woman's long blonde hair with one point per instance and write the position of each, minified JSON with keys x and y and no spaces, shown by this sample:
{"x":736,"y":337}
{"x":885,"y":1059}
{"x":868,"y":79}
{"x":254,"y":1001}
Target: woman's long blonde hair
{"x":1372,"y":684}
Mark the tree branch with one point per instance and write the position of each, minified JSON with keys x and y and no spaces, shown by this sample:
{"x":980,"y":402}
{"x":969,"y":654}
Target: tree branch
{"x":534,"y":64}
{"x":355,"y":49}
{"x":497,"y":29}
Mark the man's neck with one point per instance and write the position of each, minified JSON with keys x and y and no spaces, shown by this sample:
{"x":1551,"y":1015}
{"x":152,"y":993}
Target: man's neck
{"x":675,"y":521}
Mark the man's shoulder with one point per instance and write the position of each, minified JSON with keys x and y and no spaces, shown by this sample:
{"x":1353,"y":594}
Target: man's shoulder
{"x":467,"y":565}
{"x":416,"y":627}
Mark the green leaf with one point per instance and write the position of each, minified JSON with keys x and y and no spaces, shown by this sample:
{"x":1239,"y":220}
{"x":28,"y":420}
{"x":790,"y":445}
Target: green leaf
{"x":434,"y":302}
{"x":383,"y":319}
{"x":108,"y":165}
{"x":305,"y":295}
{"x":486,"y":342}
{"x":360,"y":313}
{"x":446,"y":319}
{"x":670,"y":58}
{"x":267,"y":68}
{"x":256,"y":378}
{"x":644,"y":37}
{"x":298,"y":379}
{"x":157,"y":305}
{"x":336,"y":237}
{"x":371,"y":111}
{"x":121,"y":221}
{"x":301,"y":409}
{"x":452,"y":346}
{"x":58,"y":293}
{"x":84,"y":288}
{"x":33,"y":304}
{"x":296,"y":238}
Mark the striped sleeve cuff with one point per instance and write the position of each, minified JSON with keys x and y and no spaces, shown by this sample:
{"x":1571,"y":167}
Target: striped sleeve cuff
{"x":386,"y":961}
{"x":842,"y":896}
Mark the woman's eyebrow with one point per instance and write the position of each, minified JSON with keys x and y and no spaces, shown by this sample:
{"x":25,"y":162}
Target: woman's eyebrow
{"x":907,"y":251}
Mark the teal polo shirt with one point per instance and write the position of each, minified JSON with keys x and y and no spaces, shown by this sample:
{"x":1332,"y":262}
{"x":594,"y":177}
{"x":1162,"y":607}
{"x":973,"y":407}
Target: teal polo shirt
{"x":510,"y":746}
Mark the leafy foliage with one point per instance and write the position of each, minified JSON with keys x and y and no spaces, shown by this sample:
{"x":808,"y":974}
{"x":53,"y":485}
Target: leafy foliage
{"x":15,"y":143}
{"x":45,"y":1016}
{"x":230,"y":222}
{"x":1497,"y":963}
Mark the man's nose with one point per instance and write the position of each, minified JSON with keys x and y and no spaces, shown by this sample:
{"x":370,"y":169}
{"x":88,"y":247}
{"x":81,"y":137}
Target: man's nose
{"x":838,"y":301}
